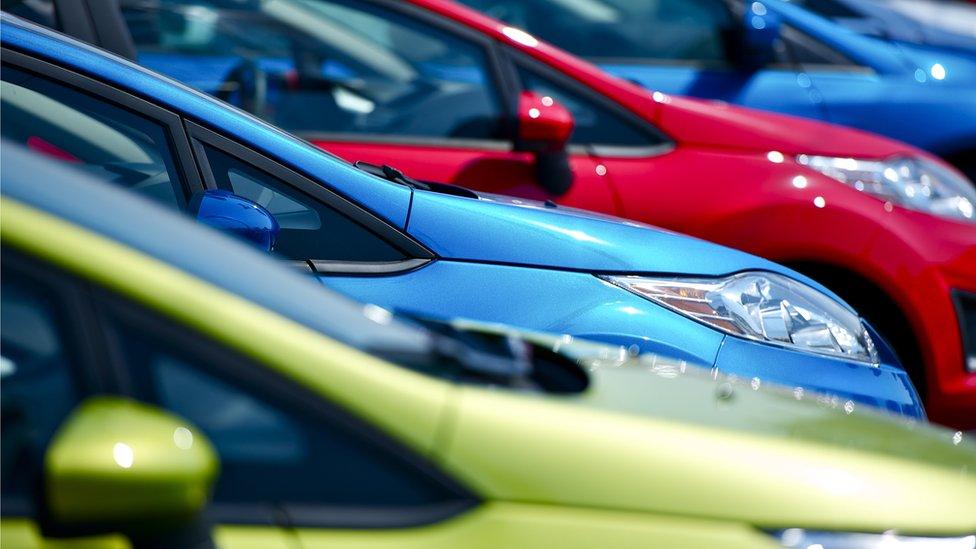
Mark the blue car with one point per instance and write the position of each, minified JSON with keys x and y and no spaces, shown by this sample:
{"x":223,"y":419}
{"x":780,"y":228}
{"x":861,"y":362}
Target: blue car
{"x":438,"y":251}
{"x":947,"y":24}
{"x":783,"y":56}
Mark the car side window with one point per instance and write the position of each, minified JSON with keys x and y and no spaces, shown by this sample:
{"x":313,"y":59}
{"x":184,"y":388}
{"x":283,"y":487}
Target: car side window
{"x":807,"y":51}
{"x":595,"y":124}
{"x":310,"y":229}
{"x":279,"y":445}
{"x":69,"y":125}
{"x":323,"y":66}
{"x":668,"y":30}
{"x":38,"y":381}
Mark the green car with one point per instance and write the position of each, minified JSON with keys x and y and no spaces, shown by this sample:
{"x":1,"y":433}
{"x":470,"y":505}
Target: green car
{"x":165,"y":386}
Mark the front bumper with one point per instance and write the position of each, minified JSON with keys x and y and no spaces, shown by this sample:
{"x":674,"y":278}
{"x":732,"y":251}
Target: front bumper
{"x":928,"y":261}
{"x":836,"y":383}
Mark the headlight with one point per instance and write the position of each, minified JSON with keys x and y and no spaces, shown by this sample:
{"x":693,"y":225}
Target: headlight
{"x":914,"y":183}
{"x":795,"y":537}
{"x":762,"y":306}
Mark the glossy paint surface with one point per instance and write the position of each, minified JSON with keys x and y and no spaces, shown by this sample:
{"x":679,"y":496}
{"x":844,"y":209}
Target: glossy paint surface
{"x":564,"y":248}
{"x":644,"y":441}
{"x":731,"y":178}
{"x":897,"y":95}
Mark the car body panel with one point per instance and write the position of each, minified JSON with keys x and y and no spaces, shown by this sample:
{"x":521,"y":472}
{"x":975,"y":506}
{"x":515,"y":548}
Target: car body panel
{"x":915,"y":478}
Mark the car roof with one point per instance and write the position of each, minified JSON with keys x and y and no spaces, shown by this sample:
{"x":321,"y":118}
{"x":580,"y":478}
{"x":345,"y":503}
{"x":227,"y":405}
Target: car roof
{"x":389,"y":201}
{"x":56,"y":188}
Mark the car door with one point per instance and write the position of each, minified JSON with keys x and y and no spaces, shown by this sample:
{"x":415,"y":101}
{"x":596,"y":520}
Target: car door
{"x":681,"y":47}
{"x":46,"y":369}
{"x":295,"y":469}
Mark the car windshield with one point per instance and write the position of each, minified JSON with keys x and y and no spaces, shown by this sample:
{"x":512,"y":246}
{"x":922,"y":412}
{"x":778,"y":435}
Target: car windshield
{"x":622,"y":29}
{"x":953,"y":16}
{"x":320,"y":65}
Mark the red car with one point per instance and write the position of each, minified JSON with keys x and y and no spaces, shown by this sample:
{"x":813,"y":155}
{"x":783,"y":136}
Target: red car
{"x":444,"y":93}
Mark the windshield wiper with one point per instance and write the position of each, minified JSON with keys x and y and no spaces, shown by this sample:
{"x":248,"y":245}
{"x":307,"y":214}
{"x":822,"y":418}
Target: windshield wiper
{"x":390,"y":173}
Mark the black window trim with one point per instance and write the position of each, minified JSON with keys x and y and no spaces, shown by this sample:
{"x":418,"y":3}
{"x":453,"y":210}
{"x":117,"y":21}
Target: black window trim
{"x":171,"y":122}
{"x":90,"y":369}
{"x":519,"y":59}
{"x":417,"y":254}
{"x":232,"y":364}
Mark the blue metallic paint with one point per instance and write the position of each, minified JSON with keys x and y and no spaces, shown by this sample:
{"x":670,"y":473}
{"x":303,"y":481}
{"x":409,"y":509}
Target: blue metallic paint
{"x":227,"y":212}
{"x":897,"y":96}
{"x":520,"y":264}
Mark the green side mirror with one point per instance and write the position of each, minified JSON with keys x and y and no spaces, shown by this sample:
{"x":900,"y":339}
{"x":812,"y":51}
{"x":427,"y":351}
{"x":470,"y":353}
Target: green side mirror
{"x":119,"y":466}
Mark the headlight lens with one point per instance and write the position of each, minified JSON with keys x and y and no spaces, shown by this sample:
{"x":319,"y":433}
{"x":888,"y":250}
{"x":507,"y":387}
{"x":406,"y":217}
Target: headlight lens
{"x":762,"y":306}
{"x":805,"y":539}
{"x":914,"y":183}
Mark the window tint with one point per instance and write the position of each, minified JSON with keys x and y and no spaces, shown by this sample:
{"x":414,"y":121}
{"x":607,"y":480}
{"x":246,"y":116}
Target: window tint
{"x":38,"y":11}
{"x":335,"y":66}
{"x":309,"y":229}
{"x":113,"y":143}
{"x":693,"y":30}
{"x":595,"y":125}
{"x":276,"y":445}
{"x":806,"y":50}
{"x":37,"y":387}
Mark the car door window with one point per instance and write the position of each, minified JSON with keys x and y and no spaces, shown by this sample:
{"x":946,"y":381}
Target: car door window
{"x":595,"y":124}
{"x":279,"y":446}
{"x":672,"y":30}
{"x":309,"y":228}
{"x":72,"y":126}
{"x":38,"y":382}
{"x":808,"y":52}
{"x":322,"y":66}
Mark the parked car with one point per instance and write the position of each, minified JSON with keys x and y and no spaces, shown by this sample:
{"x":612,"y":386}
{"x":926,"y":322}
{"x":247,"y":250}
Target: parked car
{"x":787,"y":56}
{"x":937,"y":23}
{"x":199,"y":394}
{"x":448,"y":95}
{"x":436,"y":250}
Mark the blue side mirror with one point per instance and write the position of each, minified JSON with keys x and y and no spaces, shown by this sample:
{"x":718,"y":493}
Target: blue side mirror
{"x":229,"y":213}
{"x":761,"y":30}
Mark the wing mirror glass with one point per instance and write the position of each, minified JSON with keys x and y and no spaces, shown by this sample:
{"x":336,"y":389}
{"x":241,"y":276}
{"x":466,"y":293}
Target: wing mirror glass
{"x":761,"y":29}
{"x":230,"y":213}
{"x":120,"y":466}
{"x":544,"y":128}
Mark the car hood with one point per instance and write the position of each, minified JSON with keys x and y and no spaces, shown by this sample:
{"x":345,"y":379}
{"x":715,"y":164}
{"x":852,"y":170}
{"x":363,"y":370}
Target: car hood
{"x":661,"y":436}
{"x":718,"y":124}
{"x":498,"y":229}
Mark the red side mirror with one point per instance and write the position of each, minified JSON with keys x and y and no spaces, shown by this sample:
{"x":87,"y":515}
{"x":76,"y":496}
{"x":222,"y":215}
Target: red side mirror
{"x":543,"y":124}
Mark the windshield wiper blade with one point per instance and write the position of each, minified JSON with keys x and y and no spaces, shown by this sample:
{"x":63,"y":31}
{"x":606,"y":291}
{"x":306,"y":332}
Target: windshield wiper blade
{"x":390,"y":173}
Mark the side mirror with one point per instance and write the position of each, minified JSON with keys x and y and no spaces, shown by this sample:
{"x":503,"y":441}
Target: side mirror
{"x":119,"y":466}
{"x":543,"y":124}
{"x":544,"y":128}
{"x":760,"y":33}
{"x":227,"y":212}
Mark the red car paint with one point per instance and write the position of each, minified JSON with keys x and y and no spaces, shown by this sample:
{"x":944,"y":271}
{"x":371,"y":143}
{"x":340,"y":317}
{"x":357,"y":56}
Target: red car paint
{"x":731,"y":178}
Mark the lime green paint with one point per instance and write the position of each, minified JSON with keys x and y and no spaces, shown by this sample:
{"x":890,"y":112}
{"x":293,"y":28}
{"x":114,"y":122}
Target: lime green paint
{"x":16,"y":533}
{"x":498,"y":525}
{"x":630,"y":461}
{"x":532,"y":449}
{"x":124,"y":464}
